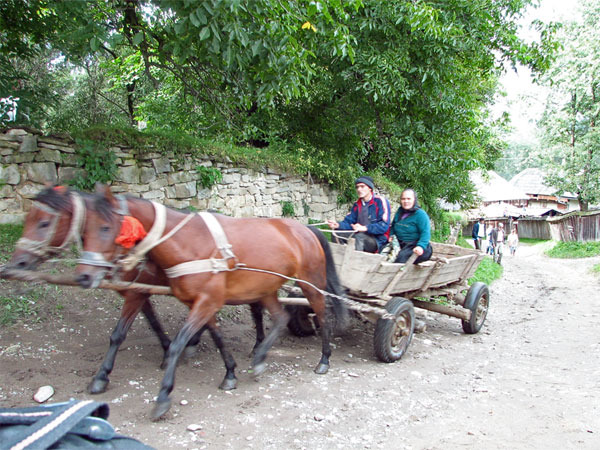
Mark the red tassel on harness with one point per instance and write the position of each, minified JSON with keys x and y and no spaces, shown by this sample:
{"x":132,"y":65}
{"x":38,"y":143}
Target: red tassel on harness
{"x":131,"y":233}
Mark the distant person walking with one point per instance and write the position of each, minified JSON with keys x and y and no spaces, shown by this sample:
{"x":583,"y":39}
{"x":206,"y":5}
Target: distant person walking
{"x":513,"y":241}
{"x":478,"y":233}
{"x":497,"y":238}
{"x":491,"y":236}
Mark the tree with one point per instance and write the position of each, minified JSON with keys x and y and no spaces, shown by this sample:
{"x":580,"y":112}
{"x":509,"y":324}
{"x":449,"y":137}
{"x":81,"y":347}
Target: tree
{"x":570,"y":121}
{"x":399,"y":88}
{"x":413,"y":104}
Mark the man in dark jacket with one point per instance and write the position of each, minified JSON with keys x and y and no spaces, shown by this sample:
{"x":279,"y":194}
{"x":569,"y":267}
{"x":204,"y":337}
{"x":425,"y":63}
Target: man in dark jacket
{"x":478,"y":233}
{"x":369,"y":218}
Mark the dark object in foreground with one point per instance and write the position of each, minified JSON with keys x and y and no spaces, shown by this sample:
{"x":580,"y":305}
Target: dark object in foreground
{"x":72,"y":424}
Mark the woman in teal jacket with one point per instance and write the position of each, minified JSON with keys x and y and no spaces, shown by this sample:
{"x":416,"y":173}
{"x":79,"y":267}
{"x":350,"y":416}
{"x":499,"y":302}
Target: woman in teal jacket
{"x":412,"y":228}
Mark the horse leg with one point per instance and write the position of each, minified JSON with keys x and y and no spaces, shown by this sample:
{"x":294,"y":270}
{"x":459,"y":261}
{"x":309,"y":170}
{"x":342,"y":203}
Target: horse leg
{"x":134,"y":302}
{"x":317,"y":303}
{"x":230,"y":380}
{"x":148,"y":312}
{"x":199,"y":315}
{"x":257,"y":315}
{"x":190,"y":349}
{"x":280,"y":318}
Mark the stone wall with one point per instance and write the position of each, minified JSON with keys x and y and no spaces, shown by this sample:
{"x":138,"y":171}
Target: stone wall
{"x":29,"y":160}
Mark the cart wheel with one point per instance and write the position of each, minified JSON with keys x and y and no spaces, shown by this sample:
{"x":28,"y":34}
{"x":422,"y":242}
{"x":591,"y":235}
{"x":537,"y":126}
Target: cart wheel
{"x":300,"y":324}
{"x":478,"y":301}
{"x":392,"y":337}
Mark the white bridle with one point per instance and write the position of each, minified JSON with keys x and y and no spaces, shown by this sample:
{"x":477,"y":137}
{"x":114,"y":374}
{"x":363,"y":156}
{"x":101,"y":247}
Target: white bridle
{"x":43,"y":248}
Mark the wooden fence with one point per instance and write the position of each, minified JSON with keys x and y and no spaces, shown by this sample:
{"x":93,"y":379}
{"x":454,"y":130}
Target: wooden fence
{"x":576,"y":226}
{"x":534,"y":228}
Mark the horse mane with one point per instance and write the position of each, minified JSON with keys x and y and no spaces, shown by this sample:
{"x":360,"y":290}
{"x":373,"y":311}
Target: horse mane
{"x":55,"y":200}
{"x":105,"y":208}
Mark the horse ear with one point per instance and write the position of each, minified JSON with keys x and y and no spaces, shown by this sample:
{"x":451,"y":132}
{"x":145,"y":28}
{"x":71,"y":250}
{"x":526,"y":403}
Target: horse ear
{"x":104,"y":191}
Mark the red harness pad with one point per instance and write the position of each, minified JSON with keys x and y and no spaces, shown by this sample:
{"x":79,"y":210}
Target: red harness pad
{"x":131,"y":233}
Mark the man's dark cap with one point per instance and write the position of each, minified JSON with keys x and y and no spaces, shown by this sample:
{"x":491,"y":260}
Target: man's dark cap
{"x":366,"y":180}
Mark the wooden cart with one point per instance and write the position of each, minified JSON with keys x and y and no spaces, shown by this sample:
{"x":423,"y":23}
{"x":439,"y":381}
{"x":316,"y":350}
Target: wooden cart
{"x":386,"y":293}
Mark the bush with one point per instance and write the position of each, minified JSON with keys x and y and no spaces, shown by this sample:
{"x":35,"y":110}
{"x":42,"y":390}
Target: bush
{"x":209,"y":176}
{"x":444,"y":222}
{"x":574,"y":250}
{"x":98,"y":163}
{"x":287,"y":209}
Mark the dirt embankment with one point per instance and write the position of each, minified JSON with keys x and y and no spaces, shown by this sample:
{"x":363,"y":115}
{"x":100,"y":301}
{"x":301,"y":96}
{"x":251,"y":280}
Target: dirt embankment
{"x":530,"y":379}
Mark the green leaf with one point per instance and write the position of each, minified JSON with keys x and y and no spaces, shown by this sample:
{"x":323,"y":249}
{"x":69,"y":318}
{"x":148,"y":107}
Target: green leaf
{"x":195,"y":21}
{"x":201,"y":16}
{"x":94,"y":44}
{"x":204,"y":33}
{"x":138,"y":38}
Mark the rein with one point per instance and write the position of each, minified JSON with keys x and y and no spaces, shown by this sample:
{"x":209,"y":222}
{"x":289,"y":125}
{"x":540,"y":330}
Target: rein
{"x":43,"y":248}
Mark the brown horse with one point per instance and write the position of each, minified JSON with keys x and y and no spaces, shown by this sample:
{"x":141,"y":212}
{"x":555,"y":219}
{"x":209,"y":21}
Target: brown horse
{"x":54,"y":222}
{"x":255,"y":259}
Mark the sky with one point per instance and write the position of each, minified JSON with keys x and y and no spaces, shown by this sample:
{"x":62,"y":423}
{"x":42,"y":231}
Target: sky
{"x":525,"y":100}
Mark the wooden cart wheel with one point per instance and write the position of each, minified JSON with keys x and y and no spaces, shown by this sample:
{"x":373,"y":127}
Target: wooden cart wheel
{"x":300,"y":324}
{"x":478,"y":301}
{"x":392,"y":337}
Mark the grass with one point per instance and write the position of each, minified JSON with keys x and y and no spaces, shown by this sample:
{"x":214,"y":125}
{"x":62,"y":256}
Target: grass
{"x":574,"y":250}
{"x":487,"y":271}
{"x":19,"y":306}
{"x":532,"y":241}
{"x":22,"y":303}
{"x":9,"y":235}
{"x":595,"y":268}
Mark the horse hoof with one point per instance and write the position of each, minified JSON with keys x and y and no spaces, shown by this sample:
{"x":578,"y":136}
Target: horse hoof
{"x":228,"y":384}
{"x":160,"y":409}
{"x":258,"y":369}
{"x":163,"y":364}
{"x":97,"y":386}
{"x":321,"y":369}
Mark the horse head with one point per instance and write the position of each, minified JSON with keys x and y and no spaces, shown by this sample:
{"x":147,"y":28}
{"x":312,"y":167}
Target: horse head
{"x":102,"y":227}
{"x":49,"y":227}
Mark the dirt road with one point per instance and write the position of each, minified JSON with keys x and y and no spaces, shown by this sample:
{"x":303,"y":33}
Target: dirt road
{"x":529,"y":380}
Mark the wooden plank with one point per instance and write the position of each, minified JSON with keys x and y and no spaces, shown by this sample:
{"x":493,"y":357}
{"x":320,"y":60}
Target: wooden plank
{"x":402,"y":272}
{"x":431,"y":276}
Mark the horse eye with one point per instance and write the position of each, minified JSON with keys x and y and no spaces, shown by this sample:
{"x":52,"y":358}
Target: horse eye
{"x":104,"y":229}
{"x":44,"y":224}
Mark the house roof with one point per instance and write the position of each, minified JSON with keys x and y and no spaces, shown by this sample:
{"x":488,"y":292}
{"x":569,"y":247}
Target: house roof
{"x":495,"y":188}
{"x":495,"y":210}
{"x":531,"y":181}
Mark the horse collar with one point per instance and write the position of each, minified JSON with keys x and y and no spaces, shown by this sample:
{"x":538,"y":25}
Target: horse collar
{"x":123,"y":206}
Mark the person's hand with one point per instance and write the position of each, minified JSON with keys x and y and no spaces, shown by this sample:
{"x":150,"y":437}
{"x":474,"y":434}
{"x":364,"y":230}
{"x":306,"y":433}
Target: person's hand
{"x":333,"y":224}
{"x":418,"y":250}
{"x":359,"y":227}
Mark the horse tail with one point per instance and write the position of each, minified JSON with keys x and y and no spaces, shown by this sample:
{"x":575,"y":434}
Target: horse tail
{"x":334,"y":285}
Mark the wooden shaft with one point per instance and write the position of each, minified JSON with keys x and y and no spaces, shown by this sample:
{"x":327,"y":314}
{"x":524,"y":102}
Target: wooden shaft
{"x":453,"y":311}
{"x":297,"y":301}
{"x":26,"y":275}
